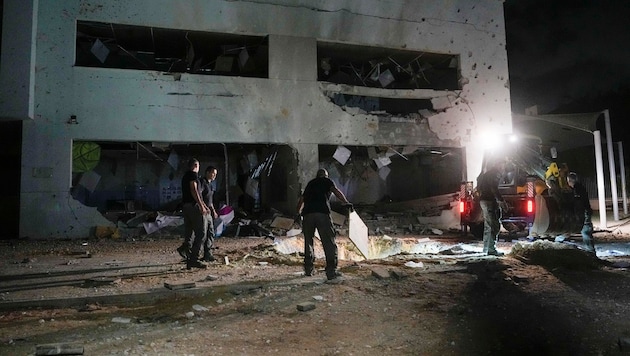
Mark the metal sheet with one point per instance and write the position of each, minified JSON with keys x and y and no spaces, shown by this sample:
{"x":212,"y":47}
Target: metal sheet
{"x":358,"y":233}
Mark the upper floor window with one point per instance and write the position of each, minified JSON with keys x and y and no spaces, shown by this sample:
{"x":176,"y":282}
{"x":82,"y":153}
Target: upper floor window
{"x":109,"y":45}
{"x":386,"y":67}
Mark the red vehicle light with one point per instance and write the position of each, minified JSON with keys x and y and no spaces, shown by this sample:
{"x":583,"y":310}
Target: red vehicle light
{"x":530,"y":206}
{"x":462,"y":207}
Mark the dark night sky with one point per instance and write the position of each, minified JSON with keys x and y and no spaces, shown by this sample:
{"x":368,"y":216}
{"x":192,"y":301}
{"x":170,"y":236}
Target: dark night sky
{"x":570,"y":56}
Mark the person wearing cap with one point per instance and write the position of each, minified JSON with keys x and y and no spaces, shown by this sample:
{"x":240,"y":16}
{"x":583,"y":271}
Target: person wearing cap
{"x":314,"y":206}
{"x":583,"y":210}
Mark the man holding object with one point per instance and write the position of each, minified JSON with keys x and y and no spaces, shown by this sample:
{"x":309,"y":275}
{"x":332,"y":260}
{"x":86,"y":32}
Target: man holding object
{"x":314,"y":206}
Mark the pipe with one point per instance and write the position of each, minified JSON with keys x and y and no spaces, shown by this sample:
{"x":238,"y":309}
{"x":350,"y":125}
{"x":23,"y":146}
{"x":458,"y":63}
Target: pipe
{"x":611,"y":167}
{"x":227,"y":183}
{"x":599,"y":167}
{"x":622,"y":171}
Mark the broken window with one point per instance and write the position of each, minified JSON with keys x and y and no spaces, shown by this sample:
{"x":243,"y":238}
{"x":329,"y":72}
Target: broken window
{"x":125,"y":177}
{"x":384,"y":174}
{"x":386,"y":68}
{"x":109,"y":45}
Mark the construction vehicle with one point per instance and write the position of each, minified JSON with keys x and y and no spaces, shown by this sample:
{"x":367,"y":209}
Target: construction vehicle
{"x":538,"y":200}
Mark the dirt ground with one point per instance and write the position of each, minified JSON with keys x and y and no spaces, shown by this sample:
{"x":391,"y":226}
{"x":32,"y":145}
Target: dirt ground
{"x":108,"y":297}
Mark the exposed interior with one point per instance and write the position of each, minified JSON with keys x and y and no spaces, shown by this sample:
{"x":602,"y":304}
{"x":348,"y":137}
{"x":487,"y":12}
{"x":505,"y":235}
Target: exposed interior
{"x":109,"y":45}
{"x":386,"y":67}
{"x":121,"y":177}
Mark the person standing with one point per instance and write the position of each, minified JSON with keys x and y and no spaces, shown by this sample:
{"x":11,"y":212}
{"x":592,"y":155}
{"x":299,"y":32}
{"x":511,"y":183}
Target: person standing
{"x":491,"y":201}
{"x":583,"y":210}
{"x":314,"y":206}
{"x":195,"y":216}
{"x":207,"y":193}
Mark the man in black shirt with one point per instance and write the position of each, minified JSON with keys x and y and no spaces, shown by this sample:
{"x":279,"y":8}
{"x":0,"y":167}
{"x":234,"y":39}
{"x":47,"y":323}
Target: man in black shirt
{"x":207,"y":193}
{"x":195,"y":216}
{"x":314,"y":206}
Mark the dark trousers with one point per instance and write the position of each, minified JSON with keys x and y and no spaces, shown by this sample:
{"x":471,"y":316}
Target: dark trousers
{"x":587,"y":237}
{"x":195,"y":225}
{"x":323,"y":224}
{"x":207,"y":246}
{"x":491,"y":224}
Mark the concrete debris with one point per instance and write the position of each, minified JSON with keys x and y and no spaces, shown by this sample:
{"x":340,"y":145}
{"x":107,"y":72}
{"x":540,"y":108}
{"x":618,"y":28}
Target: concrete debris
{"x":121,"y":320}
{"x":238,"y":290}
{"x":59,"y":349}
{"x":306,"y":306}
{"x":199,"y":308}
{"x":413,"y":264}
{"x":282,"y":223}
{"x":397,"y":274}
{"x":552,"y":255}
{"x":380,"y":273}
{"x":101,"y":281}
{"x":177,"y":286}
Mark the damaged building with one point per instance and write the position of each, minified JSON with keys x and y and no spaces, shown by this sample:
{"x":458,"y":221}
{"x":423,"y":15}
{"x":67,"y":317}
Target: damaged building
{"x":393,"y":98}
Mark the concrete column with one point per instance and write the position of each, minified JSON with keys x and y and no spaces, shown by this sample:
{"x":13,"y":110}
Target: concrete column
{"x":601,"y":189}
{"x":292,"y":58}
{"x":307,"y":162}
{"x":17,"y":72}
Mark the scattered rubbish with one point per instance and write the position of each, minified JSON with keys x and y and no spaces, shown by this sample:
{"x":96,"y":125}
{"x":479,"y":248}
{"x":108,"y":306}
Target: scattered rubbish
{"x":263,"y":263}
{"x":293,"y":232}
{"x":413,"y":264}
{"x":318,"y":298}
{"x":162,"y":221}
{"x":282,"y":223}
{"x":212,"y":277}
{"x":199,"y":308}
{"x":227,"y":260}
{"x":190,"y":315}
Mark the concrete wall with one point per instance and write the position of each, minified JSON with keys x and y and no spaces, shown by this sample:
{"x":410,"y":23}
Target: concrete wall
{"x":288,"y":108}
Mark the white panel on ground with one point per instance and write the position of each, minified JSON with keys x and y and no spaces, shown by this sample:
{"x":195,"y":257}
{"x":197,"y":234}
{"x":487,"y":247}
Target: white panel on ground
{"x":541,"y":217}
{"x":358,"y":233}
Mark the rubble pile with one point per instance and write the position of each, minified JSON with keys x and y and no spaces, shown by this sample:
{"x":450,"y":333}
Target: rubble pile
{"x":555,"y":255}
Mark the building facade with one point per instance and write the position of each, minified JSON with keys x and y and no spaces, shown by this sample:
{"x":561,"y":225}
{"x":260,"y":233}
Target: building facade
{"x":289,"y":79}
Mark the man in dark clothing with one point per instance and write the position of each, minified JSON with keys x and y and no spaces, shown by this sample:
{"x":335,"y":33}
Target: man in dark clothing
{"x":583,"y":210}
{"x":314,"y":205}
{"x":491,"y":202}
{"x":207,"y":193}
{"x":195,"y":216}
